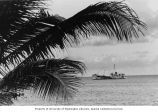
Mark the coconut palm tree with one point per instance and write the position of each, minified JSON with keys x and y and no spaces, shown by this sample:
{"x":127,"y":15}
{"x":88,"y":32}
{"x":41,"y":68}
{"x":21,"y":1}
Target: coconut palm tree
{"x":30,"y":33}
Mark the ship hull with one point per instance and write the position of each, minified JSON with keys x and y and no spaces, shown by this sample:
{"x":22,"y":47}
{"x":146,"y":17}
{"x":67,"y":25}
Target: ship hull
{"x":103,"y":77}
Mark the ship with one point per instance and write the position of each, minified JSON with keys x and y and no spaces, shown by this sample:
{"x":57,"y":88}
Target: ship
{"x":113,"y":75}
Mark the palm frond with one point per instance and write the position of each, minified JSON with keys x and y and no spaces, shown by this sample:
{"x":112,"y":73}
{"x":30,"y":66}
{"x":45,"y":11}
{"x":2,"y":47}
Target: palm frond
{"x":112,"y":19}
{"x":6,"y":99}
{"x":21,"y":40}
{"x":14,"y":13}
{"x":49,"y":78}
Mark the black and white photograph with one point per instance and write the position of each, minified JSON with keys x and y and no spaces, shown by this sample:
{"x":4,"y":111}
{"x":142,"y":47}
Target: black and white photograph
{"x":78,"y":53}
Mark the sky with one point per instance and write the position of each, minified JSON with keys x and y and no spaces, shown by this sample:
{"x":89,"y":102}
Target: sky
{"x":99,"y":54}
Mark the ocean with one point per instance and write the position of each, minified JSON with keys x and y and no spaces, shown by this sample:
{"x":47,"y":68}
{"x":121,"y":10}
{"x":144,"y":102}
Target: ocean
{"x":134,"y":91}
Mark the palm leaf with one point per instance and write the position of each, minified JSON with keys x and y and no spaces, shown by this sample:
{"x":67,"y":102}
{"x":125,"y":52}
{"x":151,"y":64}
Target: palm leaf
{"x":112,"y":19}
{"x":13,"y":47}
{"x":48,"y":78}
{"x":14,"y":13}
{"x":6,"y":98}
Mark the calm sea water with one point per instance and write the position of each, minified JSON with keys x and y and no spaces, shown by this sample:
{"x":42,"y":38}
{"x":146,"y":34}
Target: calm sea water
{"x":135,"y":90}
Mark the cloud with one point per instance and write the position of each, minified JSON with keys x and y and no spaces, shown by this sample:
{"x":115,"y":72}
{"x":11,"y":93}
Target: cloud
{"x":128,"y":65}
{"x":109,"y":42}
{"x":138,"y":59}
{"x":152,"y":23}
{"x":142,"y":54}
{"x":99,"y":41}
{"x":155,"y":61}
{"x":133,"y":58}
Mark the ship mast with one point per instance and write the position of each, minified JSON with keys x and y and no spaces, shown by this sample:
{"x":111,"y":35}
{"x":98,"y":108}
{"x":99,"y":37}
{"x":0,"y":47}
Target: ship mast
{"x":114,"y":67}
